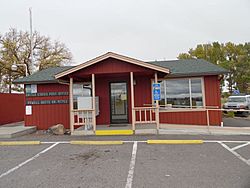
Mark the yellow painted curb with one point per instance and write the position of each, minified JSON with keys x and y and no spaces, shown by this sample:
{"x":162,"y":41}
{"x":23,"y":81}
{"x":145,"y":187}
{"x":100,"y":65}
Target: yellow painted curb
{"x":18,"y":143}
{"x":96,"y":142}
{"x":175,"y":141}
{"x":114,"y":132}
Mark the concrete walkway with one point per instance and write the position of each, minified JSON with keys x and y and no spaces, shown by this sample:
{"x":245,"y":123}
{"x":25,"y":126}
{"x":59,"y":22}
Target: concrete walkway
{"x":203,"y":130}
{"x":15,"y":129}
{"x":18,"y":129}
{"x":174,"y":129}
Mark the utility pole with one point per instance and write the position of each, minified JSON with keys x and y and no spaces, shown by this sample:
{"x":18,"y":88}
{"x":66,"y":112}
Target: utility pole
{"x":31,"y":42}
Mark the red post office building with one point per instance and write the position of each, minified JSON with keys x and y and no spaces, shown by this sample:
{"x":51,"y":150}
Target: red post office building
{"x":113,"y":89}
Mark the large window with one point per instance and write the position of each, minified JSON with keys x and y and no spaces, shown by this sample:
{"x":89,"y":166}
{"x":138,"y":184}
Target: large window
{"x":185,"y":92}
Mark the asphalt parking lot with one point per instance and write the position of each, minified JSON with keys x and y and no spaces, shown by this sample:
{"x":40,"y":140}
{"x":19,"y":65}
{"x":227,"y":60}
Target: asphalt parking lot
{"x":237,"y":122}
{"x":132,"y":164}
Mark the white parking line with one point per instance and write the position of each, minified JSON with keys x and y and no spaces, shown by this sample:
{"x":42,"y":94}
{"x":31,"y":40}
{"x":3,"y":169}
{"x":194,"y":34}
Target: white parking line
{"x":138,"y":141}
{"x":240,"y":146}
{"x":60,"y":142}
{"x":25,"y":162}
{"x":226,"y":141}
{"x":131,"y":167}
{"x":235,"y":153}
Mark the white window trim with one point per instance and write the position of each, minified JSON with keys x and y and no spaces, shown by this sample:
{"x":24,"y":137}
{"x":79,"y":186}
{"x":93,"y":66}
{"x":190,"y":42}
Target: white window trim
{"x":189,"y":80}
{"x":203,"y":91}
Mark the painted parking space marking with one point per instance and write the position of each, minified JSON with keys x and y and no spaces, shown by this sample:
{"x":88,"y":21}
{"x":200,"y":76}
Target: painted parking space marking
{"x":126,"y":141}
{"x":226,"y":141}
{"x":130,"y":176}
{"x":90,"y":142}
{"x":28,"y":160}
{"x":131,"y":167}
{"x":247,"y":161}
{"x":19,"y":143}
{"x":175,"y":141}
{"x":240,"y":146}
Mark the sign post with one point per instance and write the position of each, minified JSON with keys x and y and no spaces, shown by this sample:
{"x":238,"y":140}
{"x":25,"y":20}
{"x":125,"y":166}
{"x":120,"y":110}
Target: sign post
{"x":157,"y":97}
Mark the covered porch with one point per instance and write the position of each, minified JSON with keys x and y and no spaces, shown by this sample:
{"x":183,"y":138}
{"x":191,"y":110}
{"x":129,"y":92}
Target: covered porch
{"x":119,"y":96}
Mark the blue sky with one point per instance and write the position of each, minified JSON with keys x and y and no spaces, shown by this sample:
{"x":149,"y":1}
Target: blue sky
{"x":143,"y":29}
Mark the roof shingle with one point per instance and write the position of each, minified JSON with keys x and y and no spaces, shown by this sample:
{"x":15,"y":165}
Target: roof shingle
{"x":178,"y":68}
{"x":43,"y":76}
{"x":190,"y":67}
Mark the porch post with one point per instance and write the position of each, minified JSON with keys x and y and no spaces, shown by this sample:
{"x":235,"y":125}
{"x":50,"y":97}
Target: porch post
{"x":132,"y":99}
{"x":157,"y":114}
{"x":93,"y":103}
{"x":71,"y":114}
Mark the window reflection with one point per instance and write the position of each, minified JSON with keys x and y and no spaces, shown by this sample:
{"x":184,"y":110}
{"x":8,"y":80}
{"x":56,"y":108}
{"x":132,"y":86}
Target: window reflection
{"x":181,"y":92}
{"x":196,"y":92}
{"x":80,"y":90}
{"x":177,"y":92}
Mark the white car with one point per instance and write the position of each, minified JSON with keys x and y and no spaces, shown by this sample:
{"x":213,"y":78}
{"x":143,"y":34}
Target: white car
{"x":238,"y":103}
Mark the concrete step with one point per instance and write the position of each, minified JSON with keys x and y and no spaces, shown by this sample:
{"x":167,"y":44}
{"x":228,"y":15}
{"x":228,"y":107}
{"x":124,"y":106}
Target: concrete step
{"x":16,"y":131}
{"x":82,"y":133}
{"x":145,"y":131}
{"x":113,"y":132}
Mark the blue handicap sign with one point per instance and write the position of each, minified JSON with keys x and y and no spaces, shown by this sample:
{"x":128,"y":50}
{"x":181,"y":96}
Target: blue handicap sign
{"x":157,"y":92}
{"x":236,"y":92}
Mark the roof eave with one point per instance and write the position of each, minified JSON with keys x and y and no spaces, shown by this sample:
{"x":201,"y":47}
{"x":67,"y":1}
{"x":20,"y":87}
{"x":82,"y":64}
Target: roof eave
{"x":195,"y":74}
{"x":36,"y":82}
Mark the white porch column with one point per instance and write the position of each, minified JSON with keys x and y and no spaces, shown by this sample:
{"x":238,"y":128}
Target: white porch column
{"x":71,"y":114}
{"x":132,"y":99}
{"x":93,"y":103}
{"x":157,"y":113}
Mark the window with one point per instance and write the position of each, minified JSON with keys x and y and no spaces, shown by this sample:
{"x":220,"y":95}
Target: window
{"x":81,"y":90}
{"x":185,"y":92}
{"x":28,"y":89}
{"x":31,"y":88}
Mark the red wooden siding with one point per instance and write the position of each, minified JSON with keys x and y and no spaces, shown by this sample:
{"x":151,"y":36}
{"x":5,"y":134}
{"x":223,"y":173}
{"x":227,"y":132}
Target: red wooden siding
{"x":187,"y":118}
{"x":142,"y":91}
{"x":111,"y":66}
{"x":111,"y":70}
{"x":213,"y":98}
{"x":11,"y":108}
{"x":45,"y":115}
{"x":102,"y":90}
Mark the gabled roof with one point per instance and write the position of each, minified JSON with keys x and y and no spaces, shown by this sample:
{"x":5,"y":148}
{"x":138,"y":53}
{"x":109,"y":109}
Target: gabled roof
{"x":178,"y":68}
{"x":43,"y":76}
{"x":190,"y":67}
{"x":115,"y":56}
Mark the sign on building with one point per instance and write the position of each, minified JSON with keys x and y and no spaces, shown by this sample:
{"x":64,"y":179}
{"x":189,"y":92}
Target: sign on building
{"x":157,"y":91}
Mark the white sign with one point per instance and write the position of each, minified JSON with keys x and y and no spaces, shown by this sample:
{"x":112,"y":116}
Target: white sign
{"x":33,"y":88}
{"x":85,"y":103}
{"x":28,"y":110}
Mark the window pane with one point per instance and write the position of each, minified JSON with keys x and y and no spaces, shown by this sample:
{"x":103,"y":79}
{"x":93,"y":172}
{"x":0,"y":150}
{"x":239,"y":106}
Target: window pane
{"x":177,"y":92}
{"x":28,"y":89}
{"x":162,"y":101}
{"x":80,"y":90}
{"x":196,"y":90}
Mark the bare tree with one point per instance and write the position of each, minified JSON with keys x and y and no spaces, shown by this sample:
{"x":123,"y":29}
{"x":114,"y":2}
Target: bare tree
{"x":15,"y":49}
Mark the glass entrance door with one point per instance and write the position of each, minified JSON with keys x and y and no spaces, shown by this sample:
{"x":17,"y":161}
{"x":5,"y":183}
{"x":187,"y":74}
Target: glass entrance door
{"x":119,"y":102}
